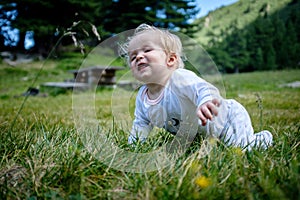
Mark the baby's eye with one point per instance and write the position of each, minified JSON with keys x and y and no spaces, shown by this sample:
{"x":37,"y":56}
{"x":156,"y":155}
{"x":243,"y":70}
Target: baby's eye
{"x":148,"y":50}
{"x":132,"y":58}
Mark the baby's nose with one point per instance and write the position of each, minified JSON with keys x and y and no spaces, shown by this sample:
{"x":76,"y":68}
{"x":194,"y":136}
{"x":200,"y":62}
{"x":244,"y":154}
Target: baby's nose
{"x":139,"y":56}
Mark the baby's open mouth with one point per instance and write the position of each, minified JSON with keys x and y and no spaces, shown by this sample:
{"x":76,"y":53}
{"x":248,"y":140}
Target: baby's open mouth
{"x":142,"y":66}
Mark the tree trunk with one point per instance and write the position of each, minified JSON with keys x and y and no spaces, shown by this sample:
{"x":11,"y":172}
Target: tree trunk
{"x":21,"y":43}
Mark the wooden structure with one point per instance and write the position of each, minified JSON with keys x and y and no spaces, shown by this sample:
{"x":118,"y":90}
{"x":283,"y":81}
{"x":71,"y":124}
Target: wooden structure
{"x":67,"y":85}
{"x":85,"y":78}
{"x":96,"y":75}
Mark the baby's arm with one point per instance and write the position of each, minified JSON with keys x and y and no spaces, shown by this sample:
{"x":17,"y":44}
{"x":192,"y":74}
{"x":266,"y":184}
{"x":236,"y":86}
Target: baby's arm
{"x":208,"y":110}
{"x":141,"y":124}
{"x":139,"y":134}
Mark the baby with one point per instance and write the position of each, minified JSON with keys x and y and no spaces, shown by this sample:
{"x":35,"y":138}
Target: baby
{"x":177,"y":99}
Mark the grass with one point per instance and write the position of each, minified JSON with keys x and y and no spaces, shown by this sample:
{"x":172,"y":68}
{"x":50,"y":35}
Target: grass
{"x":44,"y":157}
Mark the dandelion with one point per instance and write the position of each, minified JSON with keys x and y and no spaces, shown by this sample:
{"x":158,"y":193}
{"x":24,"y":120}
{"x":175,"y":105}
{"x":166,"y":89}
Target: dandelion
{"x":237,"y":151}
{"x":195,"y":167}
{"x":213,"y":141}
{"x":203,"y":181}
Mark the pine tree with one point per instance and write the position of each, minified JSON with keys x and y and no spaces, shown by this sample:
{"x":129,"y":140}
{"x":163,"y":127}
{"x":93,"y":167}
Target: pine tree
{"x":49,"y":19}
{"x":174,"y":14}
{"x":236,"y":47}
{"x":258,"y":59}
{"x":122,"y":15}
{"x":292,"y":45}
{"x":171,"y":14}
{"x":279,"y":42}
{"x":270,"y":59}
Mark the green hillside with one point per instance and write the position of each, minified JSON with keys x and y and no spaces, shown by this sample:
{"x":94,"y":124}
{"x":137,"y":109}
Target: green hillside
{"x":243,"y":12}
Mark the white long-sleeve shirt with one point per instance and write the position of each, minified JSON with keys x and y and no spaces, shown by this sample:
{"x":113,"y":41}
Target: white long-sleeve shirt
{"x":177,"y":105}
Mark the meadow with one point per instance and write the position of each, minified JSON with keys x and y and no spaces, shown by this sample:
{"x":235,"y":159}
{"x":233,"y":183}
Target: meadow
{"x":43,"y":155}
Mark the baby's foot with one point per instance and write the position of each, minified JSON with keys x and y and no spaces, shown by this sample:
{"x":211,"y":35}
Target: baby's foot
{"x":263,"y":139}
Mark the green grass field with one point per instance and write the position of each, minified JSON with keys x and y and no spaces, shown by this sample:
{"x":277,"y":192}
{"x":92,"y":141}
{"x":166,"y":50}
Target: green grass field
{"x":43,"y":155}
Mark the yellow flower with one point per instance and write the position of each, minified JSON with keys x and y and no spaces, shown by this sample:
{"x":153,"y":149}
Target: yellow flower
{"x":212,"y":141}
{"x":237,"y":151}
{"x":195,"y":167}
{"x":203,"y":181}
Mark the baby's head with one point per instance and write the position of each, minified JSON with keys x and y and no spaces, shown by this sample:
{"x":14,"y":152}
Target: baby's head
{"x":169,"y":42}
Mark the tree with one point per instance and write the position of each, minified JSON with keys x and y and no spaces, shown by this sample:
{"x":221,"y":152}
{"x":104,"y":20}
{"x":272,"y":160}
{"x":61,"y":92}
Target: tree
{"x":258,"y":59}
{"x":174,"y":14}
{"x":270,"y":58}
{"x":5,"y":22}
{"x":123,"y":15}
{"x":236,"y":45}
{"x":49,"y":19}
{"x":292,"y":44}
{"x":217,"y":48}
{"x":280,"y":43}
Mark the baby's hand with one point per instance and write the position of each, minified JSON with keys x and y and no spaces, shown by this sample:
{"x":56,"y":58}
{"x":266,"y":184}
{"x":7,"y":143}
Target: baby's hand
{"x":207,"y":110}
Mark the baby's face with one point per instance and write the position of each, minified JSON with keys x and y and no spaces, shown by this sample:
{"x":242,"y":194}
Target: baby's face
{"x":142,"y":44}
{"x":147,"y":58}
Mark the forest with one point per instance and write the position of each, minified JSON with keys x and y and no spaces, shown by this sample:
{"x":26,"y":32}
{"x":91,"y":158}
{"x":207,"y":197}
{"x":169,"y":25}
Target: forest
{"x":270,"y":42}
{"x":48,"y":20}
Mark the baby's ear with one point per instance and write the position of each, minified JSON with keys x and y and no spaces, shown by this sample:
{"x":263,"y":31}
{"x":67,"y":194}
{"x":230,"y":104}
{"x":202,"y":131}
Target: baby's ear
{"x":172,"y":60}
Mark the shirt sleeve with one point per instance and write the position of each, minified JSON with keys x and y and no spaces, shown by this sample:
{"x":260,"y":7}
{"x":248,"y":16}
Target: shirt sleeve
{"x":195,"y":88}
{"x":141,"y":124}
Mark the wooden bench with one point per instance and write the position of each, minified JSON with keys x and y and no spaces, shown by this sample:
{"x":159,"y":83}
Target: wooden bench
{"x":96,"y":75}
{"x":85,"y":78}
{"x":67,"y":85}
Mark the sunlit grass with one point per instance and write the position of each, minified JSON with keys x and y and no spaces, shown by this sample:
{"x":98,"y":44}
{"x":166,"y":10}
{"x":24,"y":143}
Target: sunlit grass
{"x":43,"y":155}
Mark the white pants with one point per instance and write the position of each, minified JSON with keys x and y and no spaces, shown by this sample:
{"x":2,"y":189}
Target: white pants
{"x":233,"y":126}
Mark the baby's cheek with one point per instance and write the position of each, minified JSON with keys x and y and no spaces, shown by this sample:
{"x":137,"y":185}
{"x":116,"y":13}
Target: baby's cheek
{"x":132,"y":67}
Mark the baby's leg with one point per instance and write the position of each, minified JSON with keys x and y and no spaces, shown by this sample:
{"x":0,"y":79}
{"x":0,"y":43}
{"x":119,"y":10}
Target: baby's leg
{"x":239,"y":130}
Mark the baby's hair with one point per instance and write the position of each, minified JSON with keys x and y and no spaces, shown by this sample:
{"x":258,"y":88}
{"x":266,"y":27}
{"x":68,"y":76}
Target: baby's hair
{"x":170,"y":42}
